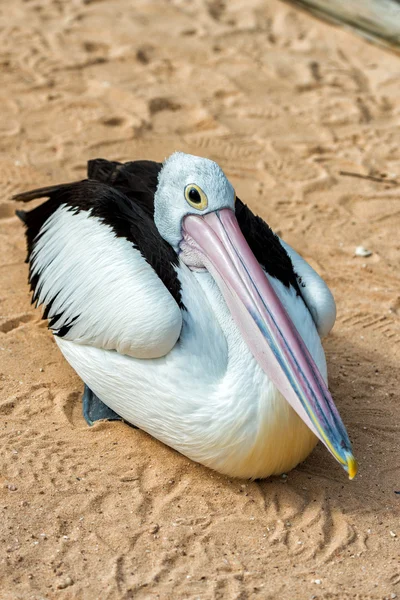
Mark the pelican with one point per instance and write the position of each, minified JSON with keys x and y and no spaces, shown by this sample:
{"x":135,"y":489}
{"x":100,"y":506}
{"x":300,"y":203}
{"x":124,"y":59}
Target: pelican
{"x":185,"y":315}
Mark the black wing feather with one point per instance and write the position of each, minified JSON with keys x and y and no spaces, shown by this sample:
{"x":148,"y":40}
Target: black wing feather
{"x":136,"y":179}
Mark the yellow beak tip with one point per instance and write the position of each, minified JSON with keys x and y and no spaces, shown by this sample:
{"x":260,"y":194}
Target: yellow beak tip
{"x":352,"y":467}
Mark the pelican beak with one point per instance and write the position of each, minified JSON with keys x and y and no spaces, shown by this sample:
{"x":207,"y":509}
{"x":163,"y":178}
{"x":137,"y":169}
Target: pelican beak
{"x":215,"y":241}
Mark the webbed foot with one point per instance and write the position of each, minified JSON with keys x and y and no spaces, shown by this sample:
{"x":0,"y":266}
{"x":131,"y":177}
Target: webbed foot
{"x":95,"y":410}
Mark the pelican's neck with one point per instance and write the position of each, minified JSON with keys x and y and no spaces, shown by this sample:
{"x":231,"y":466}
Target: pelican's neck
{"x":209,"y":332}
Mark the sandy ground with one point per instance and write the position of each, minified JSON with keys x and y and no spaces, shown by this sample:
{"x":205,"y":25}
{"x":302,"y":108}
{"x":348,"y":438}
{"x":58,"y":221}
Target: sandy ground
{"x":283,"y":103}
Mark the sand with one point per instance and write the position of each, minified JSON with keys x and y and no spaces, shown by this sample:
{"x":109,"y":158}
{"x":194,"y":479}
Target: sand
{"x":283,"y":103}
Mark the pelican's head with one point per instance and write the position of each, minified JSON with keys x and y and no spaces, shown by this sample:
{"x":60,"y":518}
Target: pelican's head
{"x":194,"y":211}
{"x":188,"y":185}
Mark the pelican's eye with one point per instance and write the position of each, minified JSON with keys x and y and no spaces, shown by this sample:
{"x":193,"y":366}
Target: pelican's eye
{"x":195,"y":196}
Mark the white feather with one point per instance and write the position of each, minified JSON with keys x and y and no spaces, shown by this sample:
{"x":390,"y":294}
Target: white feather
{"x":208,"y":398}
{"x":104,"y":283}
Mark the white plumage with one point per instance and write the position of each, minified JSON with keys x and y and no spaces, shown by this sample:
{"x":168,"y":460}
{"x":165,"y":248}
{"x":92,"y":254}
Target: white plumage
{"x":218,"y":358}
{"x":98,"y":279}
{"x":208,"y":398}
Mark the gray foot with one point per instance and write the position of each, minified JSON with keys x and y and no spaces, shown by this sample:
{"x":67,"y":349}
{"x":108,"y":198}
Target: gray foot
{"x":95,"y":410}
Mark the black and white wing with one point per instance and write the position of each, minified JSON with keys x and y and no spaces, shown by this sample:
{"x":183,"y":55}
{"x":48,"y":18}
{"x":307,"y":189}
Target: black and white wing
{"x":281,"y":261}
{"x":315,"y":292}
{"x":101,"y":270}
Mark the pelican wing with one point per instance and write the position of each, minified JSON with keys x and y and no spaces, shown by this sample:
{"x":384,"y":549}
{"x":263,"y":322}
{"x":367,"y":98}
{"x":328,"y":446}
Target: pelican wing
{"x":101,"y":270}
{"x":281,"y":261}
{"x":315,"y":292}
